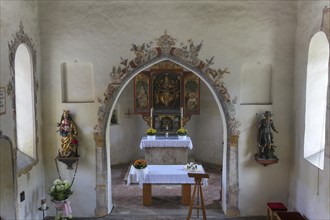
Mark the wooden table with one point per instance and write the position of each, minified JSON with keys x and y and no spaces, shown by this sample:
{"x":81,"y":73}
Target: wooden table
{"x":185,"y":194}
{"x":289,"y":216}
{"x":166,"y":175}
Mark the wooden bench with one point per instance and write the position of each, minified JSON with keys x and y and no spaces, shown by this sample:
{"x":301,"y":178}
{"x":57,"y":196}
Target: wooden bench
{"x":289,"y":216}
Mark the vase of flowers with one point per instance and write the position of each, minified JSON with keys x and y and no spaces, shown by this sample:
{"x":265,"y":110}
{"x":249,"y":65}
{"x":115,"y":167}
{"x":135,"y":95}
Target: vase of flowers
{"x":182,"y":133}
{"x":141,"y":171}
{"x":60,"y":193}
{"x":151,"y":133}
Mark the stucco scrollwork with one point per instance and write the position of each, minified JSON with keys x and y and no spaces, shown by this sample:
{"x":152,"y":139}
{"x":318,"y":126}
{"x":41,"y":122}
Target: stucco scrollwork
{"x":20,"y":37}
{"x":118,"y":73}
{"x":325,"y":26}
{"x":165,"y":42}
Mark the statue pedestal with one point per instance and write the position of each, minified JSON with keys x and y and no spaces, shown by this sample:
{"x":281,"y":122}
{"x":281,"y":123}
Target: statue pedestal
{"x":265,"y":162}
{"x":69,"y":161}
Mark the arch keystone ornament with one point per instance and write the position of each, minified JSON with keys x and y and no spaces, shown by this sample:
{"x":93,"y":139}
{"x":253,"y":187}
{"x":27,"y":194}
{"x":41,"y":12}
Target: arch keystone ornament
{"x":186,"y":56}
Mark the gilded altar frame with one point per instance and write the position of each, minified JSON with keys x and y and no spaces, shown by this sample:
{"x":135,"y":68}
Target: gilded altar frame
{"x":166,"y":88}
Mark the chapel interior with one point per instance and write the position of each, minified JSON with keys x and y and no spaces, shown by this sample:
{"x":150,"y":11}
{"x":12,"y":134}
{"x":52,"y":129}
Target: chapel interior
{"x":112,"y":70}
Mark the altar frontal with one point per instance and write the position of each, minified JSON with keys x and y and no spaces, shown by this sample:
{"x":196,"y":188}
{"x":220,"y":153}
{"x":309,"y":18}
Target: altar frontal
{"x":166,"y":150}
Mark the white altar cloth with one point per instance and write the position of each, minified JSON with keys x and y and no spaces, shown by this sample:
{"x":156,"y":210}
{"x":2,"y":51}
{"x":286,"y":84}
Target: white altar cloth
{"x":165,"y":174}
{"x":166,"y":142}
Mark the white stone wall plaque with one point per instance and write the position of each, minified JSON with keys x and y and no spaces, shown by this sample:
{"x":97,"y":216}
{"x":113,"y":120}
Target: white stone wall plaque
{"x":2,"y":100}
{"x":77,"y":82}
{"x":256,"y":84}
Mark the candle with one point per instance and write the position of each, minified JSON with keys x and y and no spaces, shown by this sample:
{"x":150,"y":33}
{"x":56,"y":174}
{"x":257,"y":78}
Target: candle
{"x":181,"y":112}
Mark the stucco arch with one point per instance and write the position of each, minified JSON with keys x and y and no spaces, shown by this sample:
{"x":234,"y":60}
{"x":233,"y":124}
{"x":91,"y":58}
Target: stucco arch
{"x":146,"y":56}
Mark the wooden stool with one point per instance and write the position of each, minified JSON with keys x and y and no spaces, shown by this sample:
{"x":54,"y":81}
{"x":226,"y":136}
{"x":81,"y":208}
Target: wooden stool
{"x":198,"y":186}
{"x":273,"y":208}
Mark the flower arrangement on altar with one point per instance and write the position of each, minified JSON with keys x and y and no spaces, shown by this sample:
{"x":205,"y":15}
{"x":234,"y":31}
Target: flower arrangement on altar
{"x":61,"y":190}
{"x":140,"y":164}
{"x":182,"y":131}
{"x":151,"y":131}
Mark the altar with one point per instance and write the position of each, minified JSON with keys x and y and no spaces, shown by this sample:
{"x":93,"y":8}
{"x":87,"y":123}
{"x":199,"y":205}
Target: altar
{"x":166,"y":150}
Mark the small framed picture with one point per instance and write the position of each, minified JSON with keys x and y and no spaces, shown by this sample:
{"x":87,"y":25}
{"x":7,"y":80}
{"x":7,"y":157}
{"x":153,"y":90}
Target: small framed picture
{"x":2,"y":100}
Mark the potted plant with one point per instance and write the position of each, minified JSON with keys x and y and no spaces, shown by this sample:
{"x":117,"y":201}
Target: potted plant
{"x":182,"y":133}
{"x":151,"y":133}
{"x":60,"y":193}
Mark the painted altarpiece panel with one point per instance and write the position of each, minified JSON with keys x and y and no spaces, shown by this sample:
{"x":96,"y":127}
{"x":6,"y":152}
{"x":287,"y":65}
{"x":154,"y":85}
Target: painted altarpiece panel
{"x":142,"y":93}
{"x":166,"y":92}
{"x":191,"y":87}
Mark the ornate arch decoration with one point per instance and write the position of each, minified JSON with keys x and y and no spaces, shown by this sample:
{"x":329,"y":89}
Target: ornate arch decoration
{"x":147,"y":55}
{"x":20,"y":37}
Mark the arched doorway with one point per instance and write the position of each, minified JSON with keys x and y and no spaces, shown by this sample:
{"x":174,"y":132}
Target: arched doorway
{"x":187,"y":57}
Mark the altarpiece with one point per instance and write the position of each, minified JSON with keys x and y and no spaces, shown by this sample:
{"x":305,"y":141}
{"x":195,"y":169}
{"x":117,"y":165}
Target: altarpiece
{"x":166,"y":88}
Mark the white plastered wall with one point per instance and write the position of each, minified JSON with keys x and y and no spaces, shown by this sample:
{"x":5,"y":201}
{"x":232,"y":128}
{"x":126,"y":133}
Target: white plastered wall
{"x":12,"y":12}
{"x":236,"y":33}
{"x":309,"y":188}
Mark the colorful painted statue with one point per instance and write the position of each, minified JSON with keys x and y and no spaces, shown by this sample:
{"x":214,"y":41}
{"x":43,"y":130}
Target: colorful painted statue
{"x":265,"y":136}
{"x":69,"y":133}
